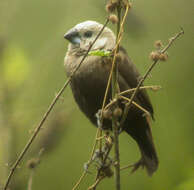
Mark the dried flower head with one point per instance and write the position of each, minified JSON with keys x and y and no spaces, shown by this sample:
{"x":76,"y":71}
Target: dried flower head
{"x":113,"y":18}
{"x":126,"y":3}
{"x":32,"y":163}
{"x":107,"y":171}
{"x":163,"y":57}
{"x":117,"y":112}
{"x":158,"y":44}
{"x":130,"y":5}
{"x":154,"y":55}
{"x":107,"y":114}
{"x":111,"y":6}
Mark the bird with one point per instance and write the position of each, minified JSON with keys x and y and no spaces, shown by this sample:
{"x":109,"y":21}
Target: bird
{"x":89,"y":82}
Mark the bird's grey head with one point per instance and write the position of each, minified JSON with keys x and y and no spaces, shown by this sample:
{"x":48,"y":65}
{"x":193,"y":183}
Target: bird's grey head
{"x":83,"y":34}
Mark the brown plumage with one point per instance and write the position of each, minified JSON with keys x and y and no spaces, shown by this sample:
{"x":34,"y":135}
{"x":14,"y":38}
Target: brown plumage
{"x":89,"y":83}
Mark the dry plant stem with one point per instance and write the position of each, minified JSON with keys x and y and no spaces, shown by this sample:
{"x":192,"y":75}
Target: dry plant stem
{"x":39,"y":126}
{"x":100,"y":169}
{"x":114,"y":96}
{"x":106,"y":156}
{"x":104,"y":160}
{"x":116,"y":152}
{"x":109,"y":80}
{"x":100,"y":137}
{"x":110,"y":76}
{"x":35,"y":133}
{"x":119,"y":37}
{"x":137,"y":105}
{"x":93,"y":187}
{"x":80,"y":180}
{"x":111,"y":72}
{"x":92,"y":153}
{"x":113,"y":63}
{"x":147,"y":73}
{"x":141,"y":88}
{"x":128,"y":91}
{"x":98,"y":133}
{"x":126,"y":167}
{"x":30,"y":181}
{"x":127,"y":107}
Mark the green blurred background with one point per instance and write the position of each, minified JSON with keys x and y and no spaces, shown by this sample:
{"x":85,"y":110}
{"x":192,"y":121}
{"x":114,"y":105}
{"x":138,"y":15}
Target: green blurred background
{"x":32,"y":50}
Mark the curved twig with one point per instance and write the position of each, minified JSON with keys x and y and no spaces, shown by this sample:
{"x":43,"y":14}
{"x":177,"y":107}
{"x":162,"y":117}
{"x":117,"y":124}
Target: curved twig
{"x":45,"y":116}
{"x":126,"y":110}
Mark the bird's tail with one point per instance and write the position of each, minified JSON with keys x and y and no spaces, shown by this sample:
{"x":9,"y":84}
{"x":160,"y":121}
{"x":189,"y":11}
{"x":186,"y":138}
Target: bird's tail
{"x":143,"y":136}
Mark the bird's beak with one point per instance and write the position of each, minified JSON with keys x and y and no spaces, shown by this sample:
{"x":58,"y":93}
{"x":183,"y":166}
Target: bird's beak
{"x":73,"y":36}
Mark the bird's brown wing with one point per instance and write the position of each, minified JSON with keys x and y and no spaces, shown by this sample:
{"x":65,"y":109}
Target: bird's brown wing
{"x":135,"y":125}
{"x":132,"y":77}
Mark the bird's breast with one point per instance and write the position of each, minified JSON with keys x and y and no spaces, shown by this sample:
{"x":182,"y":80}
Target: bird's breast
{"x":89,"y":85}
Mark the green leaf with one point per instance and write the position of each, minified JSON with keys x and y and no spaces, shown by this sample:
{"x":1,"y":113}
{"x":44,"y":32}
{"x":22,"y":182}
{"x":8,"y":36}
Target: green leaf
{"x":101,"y":53}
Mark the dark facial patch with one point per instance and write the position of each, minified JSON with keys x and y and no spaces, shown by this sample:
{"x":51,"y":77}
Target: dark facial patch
{"x":88,"y":34}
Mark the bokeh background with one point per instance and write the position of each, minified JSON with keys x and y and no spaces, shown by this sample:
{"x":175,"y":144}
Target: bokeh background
{"x":32,"y":49}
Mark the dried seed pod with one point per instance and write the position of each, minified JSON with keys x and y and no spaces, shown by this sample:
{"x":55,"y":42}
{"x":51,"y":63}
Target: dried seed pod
{"x":113,"y":18}
{"x":130,"y":5}
{"x":126,"y":3}
{"x":154,"y":55}
{"x":117,"y":112}
{"x":111,"y":6}
{"x":107,"y":114}
{"x":158,"y":44}
{"x":107,"y":171}
{"x":163,"y":57}
{"x":32,"y":163}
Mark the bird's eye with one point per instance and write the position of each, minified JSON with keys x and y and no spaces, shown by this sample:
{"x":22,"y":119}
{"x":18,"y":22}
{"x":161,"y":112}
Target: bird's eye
{"x":88,"y":34}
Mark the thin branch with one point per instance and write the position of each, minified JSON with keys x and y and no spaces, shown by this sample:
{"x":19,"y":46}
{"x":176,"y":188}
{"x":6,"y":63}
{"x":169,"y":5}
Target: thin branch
{"x":126,"y":167}
{"x":36,"y":131}
{"x":154,"y":88}
{"x":39,"y":126}
{"x":119,"y":37}
{"x":98,"y":130}
{"x":103,"y":107}
{"x":108,"y":147}
{"x":103,"y":164}
{"x":80,"y":180}
{"x":93,"y":187}
{"x":127,"y":107}
{"x":137,"y":105}
{"x":30,"y":180}
{"x":32,"y":165}
{"x":171,"y":40}
{"x":113,"y":62}
{"x":92,"y":153}
{"x":115,"y":126}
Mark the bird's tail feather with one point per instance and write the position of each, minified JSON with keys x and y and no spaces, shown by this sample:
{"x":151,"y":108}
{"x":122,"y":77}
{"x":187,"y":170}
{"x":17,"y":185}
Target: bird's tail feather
{"x":147,"y":161}
{"x":143,"y":137}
